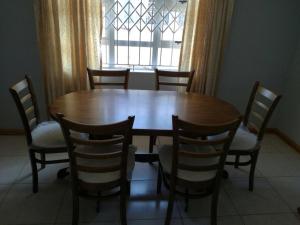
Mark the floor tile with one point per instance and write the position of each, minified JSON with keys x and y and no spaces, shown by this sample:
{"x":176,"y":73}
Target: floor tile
{"x":201,"y":207}
{"x":262,"y":200}
{"x":3,"y":191}
{"x":109,"y":210}
{"x":289,"y":190}
{"x":21,"y":206}
{"x":279,"y":164}
{"x":46,"y":175}
{"x":146,"y":190}
{"x":271,"y":219}
{"x":150,"y":209}
{"x":10,"y":168}
{"x":223,"y":220}
{"x":139,"y":207}
{"x":145,"y":171}
{"x":241,"y":172}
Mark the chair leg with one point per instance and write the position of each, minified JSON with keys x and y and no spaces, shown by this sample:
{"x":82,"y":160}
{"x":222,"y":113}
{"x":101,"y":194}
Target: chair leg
{"x":214,"y":208}
{"x":186,"y":198}
{"x":123,"y":207}
{"x":236,"y":162}
{"x":159,"y":179}
{"x":252,"y":170}
{"x":34,"y":171}
{"x":43,"y":158}
{"x":128,"y":187}
{"x":98,"y":202}
{"x":298,"y":210}
{"x":151,"y":143}
{"x":170,"y":206}
{"x":75,"y":216}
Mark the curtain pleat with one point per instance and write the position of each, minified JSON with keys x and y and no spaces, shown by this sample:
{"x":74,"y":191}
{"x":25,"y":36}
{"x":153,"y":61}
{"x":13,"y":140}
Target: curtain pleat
{"x":206,"y":30}
{"x":69,"y":35}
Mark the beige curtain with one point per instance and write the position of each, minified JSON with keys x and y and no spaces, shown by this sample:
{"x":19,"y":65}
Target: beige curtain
{"x":206,"y":28}
{"x":69,"y":33}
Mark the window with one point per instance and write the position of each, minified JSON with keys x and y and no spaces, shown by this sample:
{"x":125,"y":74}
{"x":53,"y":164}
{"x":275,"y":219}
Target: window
{"x":142,"y":34}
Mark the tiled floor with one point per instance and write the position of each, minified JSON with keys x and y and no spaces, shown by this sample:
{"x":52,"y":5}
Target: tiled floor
{"x":273,"y":202}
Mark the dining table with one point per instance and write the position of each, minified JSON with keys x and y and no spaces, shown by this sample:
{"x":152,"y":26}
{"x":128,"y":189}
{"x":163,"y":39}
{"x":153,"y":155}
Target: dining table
{"x":152,"y":109}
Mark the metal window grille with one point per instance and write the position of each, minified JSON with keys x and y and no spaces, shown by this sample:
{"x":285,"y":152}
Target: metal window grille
{"x":143,"y":33}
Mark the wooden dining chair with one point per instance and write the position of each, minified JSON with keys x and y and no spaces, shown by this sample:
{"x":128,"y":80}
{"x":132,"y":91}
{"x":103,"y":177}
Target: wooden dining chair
{"x":188,"y":75}
{"x":160,"y":74}
{"x":99,"y":165}
{"x":193,"y":167}
{"x":108,"y":74}
{"x":43,"y":138}
{"x":247,"y":141}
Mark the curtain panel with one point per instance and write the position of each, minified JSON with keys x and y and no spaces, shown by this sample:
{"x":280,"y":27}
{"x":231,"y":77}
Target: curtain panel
{"x":206,"y":29}
{"x":69,"y":35}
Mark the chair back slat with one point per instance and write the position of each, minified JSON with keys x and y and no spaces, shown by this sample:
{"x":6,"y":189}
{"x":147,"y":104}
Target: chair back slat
{"x":92,"y":74}
{"x":98,"y":169}
{"x":260,"y":108}
{"x":202,"y":142}
{"x":25,"y":100}
{"x":110,"y":141}
{"x":29,"y":110}
{"x":261,"y":105}
{"x":266,"y":93}
{"x":196,"y":168}
{"x":174,"y":74}
{"x":100,"y":156}
{"x":200,"y":154}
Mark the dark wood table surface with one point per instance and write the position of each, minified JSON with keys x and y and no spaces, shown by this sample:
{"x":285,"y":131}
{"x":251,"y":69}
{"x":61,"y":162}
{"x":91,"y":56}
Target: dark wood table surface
{"x":153,"y":110}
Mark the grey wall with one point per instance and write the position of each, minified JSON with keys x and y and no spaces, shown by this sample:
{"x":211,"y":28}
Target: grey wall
{"x":289,"y":116}
{"x":261,"y":47}
{"x":18,"y":55}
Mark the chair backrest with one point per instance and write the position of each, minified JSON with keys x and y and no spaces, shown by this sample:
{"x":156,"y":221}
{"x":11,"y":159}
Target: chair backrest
{"x":108,"y":74}
{"x":260,"y":108}
{"x":189,"y":75}
{"x":96,"y":154}
{"x":25,"y":100}
{"x":194,"y":152}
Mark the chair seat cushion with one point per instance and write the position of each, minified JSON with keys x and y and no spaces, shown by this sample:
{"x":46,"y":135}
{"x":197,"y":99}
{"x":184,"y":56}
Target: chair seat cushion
{"x":107,"y":176}
{"x":165,"y":157}
{"x":243,"y":139}
{"x":48,"y":135}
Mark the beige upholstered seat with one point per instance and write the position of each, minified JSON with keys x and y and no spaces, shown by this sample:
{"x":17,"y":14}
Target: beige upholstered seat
{"x":243,"y":139}
{"x":48,"y":135}
{"x":108,"y":176}
{"x":165,"y":158}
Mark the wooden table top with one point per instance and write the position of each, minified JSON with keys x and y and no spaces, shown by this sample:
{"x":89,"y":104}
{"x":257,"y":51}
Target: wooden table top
{"x":153,"y":110}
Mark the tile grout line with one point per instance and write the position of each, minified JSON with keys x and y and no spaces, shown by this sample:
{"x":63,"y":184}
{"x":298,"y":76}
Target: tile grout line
{"x":281,"y":197}
{"x":60,"y":206}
